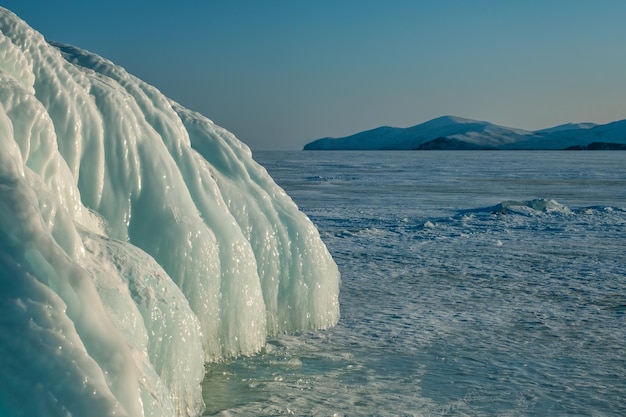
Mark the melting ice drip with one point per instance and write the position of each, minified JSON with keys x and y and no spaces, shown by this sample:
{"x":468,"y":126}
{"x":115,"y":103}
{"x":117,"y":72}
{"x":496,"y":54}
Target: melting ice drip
{"x":137,"y":241}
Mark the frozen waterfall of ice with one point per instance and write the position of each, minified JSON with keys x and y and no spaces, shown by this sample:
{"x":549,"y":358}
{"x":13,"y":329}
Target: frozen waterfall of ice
{"x":137,"y":241}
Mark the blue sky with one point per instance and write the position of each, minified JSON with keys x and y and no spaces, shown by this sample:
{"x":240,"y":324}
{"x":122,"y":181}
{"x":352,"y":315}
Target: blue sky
{"x":279,"y":74}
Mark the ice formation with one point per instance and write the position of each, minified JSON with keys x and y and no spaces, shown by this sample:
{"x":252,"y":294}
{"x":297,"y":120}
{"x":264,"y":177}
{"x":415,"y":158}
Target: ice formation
{"x":137,"y":241}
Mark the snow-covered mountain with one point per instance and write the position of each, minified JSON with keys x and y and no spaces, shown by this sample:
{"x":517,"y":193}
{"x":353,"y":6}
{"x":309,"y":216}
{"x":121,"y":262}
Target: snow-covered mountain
{"x":456,"y":133}
{"x":610,"y":136}
{"x":568,"y":126}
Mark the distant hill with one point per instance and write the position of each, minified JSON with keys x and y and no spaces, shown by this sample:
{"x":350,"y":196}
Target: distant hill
{"x":457,"y":133}
{"x":568,"y":126}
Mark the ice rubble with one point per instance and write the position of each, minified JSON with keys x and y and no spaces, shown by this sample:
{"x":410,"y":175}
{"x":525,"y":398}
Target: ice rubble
{"x":137,"y":241}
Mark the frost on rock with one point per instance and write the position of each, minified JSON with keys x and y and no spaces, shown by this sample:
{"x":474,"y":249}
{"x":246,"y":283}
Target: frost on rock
{"x":137,"y":241}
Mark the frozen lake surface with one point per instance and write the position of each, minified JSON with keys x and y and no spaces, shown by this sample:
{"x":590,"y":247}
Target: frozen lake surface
{"x":473,"y":283}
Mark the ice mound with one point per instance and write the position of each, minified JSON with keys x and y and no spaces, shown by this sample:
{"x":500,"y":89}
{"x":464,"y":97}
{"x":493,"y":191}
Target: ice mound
{"x":531,"y":207}
{"x":137,"y":241}
{"x":523,"y":207}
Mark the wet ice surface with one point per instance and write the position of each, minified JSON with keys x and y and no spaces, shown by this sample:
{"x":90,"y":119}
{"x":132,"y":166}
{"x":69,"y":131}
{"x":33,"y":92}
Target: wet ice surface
{"x":473,"y":283}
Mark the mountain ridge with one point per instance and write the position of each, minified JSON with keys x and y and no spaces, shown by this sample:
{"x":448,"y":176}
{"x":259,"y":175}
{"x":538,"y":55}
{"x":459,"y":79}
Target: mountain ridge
{"x":458,"y":133}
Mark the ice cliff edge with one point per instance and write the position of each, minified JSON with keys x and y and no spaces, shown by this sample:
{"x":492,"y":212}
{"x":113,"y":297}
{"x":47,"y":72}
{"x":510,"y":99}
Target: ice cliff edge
{"x":137,"y":241}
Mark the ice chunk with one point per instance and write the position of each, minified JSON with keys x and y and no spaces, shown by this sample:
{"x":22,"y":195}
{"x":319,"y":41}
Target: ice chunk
{"x":532,"y":207}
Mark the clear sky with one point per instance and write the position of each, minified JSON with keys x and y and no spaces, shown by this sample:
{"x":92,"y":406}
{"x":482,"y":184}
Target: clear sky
{"x":279,"y":74}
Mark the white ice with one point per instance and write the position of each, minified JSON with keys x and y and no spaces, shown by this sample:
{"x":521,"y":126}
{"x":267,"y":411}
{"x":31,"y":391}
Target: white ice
{"x":137,"y":241}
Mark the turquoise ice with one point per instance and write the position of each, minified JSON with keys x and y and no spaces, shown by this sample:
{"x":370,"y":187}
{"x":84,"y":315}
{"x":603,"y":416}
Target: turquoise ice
{"x":138,"y":240}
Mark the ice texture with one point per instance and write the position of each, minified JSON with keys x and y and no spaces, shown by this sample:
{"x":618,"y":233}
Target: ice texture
{"x":138,"y":240}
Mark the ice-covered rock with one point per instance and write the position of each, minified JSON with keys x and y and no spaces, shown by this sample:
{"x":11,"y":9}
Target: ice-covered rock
{"x":137,"y":241}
